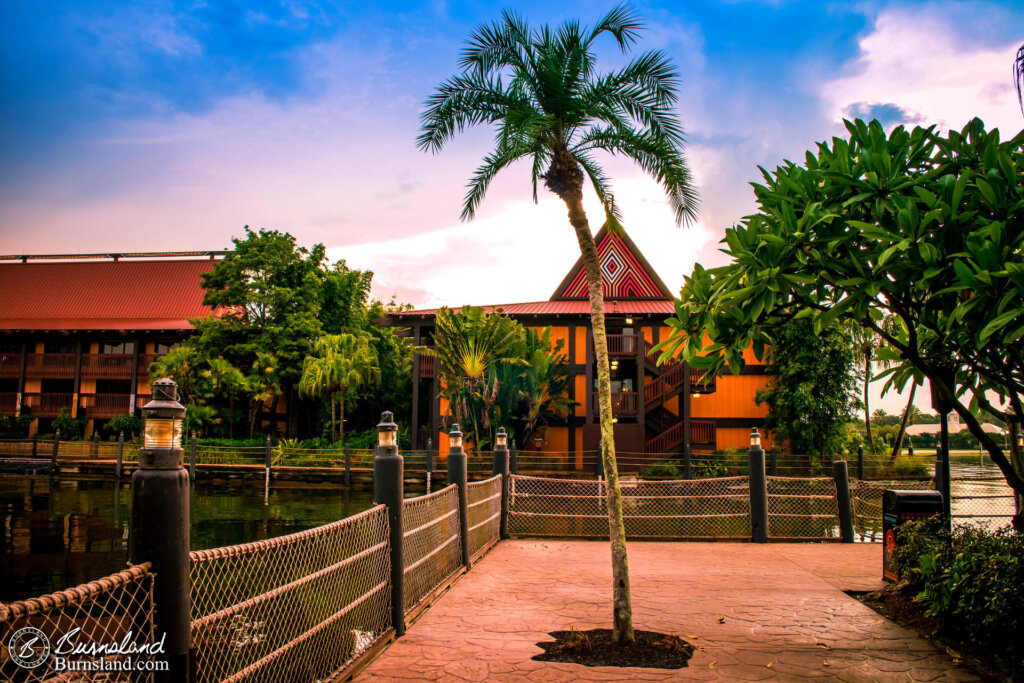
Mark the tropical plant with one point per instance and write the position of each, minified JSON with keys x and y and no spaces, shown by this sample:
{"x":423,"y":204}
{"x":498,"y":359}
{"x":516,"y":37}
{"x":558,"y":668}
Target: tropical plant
{"x":340,"y":362}
{"x":540,"y":87}
{"x":199,"y":419}
{"x":263,"y":385}
{"x":916,"y":225}
{"x":129,"y":424}
{"x":70,"y":427}
{"x":183,"y":364}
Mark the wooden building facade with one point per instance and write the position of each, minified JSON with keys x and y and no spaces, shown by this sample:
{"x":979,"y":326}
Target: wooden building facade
{"x":658,"y":409}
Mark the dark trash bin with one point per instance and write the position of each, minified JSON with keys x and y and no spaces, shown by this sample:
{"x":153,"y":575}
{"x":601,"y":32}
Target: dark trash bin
{"x":899,"y":507}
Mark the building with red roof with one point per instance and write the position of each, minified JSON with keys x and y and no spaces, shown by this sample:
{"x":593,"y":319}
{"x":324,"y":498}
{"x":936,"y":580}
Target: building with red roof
{"x":658,"y":409}
{"x":79,"y":332}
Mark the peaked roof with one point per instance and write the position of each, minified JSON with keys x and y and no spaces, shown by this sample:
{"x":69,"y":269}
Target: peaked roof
{"x":625,"y":273}
{"x":102,"y":295}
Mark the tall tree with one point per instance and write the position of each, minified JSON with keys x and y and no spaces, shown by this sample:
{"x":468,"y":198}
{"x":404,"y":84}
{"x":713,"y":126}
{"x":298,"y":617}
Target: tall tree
{"x":540,"y":87}
{"x":916,"y":225}
{"x":340,"y":362}
{"x":183,"y":364}
{"x":811,"y":391}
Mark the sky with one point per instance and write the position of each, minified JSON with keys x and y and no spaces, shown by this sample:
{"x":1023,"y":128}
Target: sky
{"x":150,"y":126}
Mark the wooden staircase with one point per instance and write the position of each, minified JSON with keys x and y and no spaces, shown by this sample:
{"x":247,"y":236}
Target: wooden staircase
{"x":669,"y":382}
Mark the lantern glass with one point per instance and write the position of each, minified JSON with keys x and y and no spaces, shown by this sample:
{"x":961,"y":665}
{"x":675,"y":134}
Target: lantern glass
{"x":501,"y":439}
{"x":455,"y":436}
{"x":387,"y":437}
{"x":755,"y":439}
{"x":162,"y":432}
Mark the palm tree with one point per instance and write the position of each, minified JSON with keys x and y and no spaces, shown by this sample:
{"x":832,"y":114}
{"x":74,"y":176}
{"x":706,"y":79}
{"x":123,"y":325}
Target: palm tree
{"x":340,"y":362}
{"x":225,"y":378}
{"x":866,"y":340}
{"x":541,"y":89}
{"x":180,"y":364}
{"x":263,"y":385}
{"x":1018,"y":76}
{"x":910,"y":415}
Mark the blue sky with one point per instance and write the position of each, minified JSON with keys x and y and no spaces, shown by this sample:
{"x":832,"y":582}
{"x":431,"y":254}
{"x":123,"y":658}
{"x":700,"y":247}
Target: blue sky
{"x":162,"y":125}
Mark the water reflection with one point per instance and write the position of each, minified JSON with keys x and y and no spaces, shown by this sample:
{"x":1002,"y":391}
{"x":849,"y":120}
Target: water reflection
{"x":63,"y":531}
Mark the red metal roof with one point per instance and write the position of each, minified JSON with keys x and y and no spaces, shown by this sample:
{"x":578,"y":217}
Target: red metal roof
{"x":611,"y":307}
{"x":102,"y":295}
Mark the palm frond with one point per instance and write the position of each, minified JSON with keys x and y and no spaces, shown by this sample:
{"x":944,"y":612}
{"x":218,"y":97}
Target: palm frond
{"x":1018,"y":77}
{"x":621,"y":23}
{"x":460,"y":102}
{"x":612,"y":214}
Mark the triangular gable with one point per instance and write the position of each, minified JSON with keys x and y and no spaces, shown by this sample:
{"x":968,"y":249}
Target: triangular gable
{"x":625,"y":273}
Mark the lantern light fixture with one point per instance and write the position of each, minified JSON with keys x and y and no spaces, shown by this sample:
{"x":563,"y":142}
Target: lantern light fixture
{"x":387,"y":430}
{"x":501,"y":438}
{"x":455,"y":436}
{"x":755,"y":438}
{"x":163,"y":417}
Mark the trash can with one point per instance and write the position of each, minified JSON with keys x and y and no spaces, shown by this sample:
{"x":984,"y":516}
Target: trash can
{"x":899,"y":507}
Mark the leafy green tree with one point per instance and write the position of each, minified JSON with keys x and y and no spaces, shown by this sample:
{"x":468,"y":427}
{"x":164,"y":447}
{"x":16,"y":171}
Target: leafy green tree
{"x":922,"y":227}
{"x":811,"y":391}
{"x":224,"y":379}
{"x":263,"y":384}
{"x":541,"y":89}
{"x":344,"y":296}
{"x":129,"y":424}
{"x":183,"y":364}
{"x":394,"y":356}
{"x":340,"y":362}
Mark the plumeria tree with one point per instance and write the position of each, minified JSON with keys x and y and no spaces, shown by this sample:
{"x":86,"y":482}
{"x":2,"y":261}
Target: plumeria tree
{"x":552,"y":109}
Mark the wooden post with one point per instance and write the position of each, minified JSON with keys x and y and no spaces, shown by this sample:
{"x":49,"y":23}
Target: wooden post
{"x":56,"y":449}
{"x":841,"y":474}
{"x":458,"y":475}
{"x":389,"y":490}
{"x":348,"y":466}
{"x":860,"y":463}
{"x":758,"y":494}
{"x":120,"y":454}
{"x":192,"y":457}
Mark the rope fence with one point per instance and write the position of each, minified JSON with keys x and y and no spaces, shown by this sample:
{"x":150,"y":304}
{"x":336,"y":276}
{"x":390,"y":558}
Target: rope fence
{"x":483,"y":514}
{"x":298,"y":607}
{"x":866,"y":498}
{"x":108,"y":610}
{"x":431,"y":545}
{"x":802,"y":508}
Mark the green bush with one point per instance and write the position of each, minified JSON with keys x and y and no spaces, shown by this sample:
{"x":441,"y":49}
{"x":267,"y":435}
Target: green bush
{"x":16,"y":427}
{"x":129,"y":424}
{"x":971,"y":580}
{"x":708,"y":469}
{"x":71,"y":428}
{"x":663,"y":469}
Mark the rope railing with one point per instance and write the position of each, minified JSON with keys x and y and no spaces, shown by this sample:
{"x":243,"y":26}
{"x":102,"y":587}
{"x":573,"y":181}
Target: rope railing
{"x":802,"y":508}
{"x":106,"y":611}
{"x":297,"y":607}
{"x":431,"y":543}
{"x":866,"y":498}
{"x":674,"y":509}
{"x":483,"y":515}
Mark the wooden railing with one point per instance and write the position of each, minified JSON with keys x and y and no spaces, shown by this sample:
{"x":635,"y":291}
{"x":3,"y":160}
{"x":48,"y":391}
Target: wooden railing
{"x":107,"y":366}
{"x":427,"y":366}
{"x":623,"y":403}
{"x":145,"y":359}
{"x":623,"y":344}
{"x":8,"y":402}
{"x":47,"y":405}
{"x":50,"y":365}
{"x":104,"y":406}
{"x":702,"y":433}
{"x":10,"y":364}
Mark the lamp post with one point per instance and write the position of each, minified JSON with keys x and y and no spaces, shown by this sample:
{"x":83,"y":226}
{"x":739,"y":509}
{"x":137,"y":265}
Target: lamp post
{"x":159,"y":527}
{"x":758,"y":490}
{"x":388,"y":489}
{"x":500,"y":466}
{"x":459,"y":475}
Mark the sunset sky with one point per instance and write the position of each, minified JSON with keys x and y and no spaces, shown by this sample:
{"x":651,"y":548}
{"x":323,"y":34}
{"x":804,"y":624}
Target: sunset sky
{"x":138,"y":126}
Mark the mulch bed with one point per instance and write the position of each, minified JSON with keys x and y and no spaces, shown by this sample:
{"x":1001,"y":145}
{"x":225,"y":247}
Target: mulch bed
{"x":596,"y":648}
{"x":895,"y":603}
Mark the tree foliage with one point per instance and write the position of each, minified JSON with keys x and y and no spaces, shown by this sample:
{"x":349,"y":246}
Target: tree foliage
{"x":811,"y":392}
{"x":496,"y":373}
{"x":339,"y":362}
{"x":924,"y":228}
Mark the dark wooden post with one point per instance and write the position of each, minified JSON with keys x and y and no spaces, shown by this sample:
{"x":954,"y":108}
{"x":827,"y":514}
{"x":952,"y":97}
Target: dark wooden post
{"x":348,"y":466}
{"x":758,"y":490}
{"x":389,"y":490}
{"x":94,"y":447}
{"x":458,"y":474}
{"x":430,"y":462}
{"x":35,"y":445}
{"x":20,"y":399}
{"x":56,"y":449}
{"x":269,"y":457}
{"x":860,"y":463}
{"x":773,"y":463}
{"x":513,"y":462}
{"x":499,"y":465}
{"x":192,"y":457}
{"x":415,"y":427}
{"x":120,"y":454}
{"x":159,"y":530}
{"x":687,"y":406}
{"x":841,"y":473}
{"x":687,"y":461}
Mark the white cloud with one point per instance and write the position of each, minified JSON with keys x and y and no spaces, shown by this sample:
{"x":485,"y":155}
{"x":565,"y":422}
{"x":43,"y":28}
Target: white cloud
{"x":922,"y":61}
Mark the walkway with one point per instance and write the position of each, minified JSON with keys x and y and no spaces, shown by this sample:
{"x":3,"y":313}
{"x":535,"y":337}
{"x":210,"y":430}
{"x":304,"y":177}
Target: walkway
{"x":785,"y":615}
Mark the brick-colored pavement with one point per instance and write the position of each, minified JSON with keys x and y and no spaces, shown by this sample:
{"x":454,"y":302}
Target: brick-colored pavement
{"x":785,"y":615}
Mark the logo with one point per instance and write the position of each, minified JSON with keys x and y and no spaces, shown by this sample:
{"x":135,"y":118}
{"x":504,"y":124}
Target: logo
{"x":28,"y":647}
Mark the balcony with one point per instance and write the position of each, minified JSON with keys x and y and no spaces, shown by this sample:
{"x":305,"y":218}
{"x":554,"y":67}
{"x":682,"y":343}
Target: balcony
{"x":623,"y":403}
{"x":623,"y":344}
{"x":107,"y":366}
{"x":10,"y":365}
{"x":428,"y":366}
{"x":47,"y":405}
{"x":8,"y":402}
{"x":104,"y":406}
{"x":145,"y":360}
{"x":50,"y":365}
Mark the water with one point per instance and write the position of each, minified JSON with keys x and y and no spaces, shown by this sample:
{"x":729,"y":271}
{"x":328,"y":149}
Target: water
{"x":60,"y":532}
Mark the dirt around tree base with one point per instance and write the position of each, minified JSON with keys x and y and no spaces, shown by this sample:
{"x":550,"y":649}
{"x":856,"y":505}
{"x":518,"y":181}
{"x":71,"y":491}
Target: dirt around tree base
{"x":895,"y":603}
{"x":596,"y":648}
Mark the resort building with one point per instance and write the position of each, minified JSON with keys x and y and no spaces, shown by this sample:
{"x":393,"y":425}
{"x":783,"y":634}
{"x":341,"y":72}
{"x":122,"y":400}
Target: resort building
{"x":658,"y":409}
{"x":79,"y":332}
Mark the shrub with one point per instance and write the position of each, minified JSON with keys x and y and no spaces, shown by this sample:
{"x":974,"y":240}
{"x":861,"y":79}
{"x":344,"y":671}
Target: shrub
{"x":16,"y":427}
{"x":70,"y":427}
{"x":129,"y":424}
{"x":971,"y":580}
{"x":662,"y":469}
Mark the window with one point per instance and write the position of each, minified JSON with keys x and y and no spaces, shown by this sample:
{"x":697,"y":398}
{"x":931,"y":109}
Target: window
{"x":57,"y":386}
{"x":113,"y":386}
{"x":160,"y":348}
{"x":121,"y":348}
{"x":10,"y":346}
{"x":8,"y":385}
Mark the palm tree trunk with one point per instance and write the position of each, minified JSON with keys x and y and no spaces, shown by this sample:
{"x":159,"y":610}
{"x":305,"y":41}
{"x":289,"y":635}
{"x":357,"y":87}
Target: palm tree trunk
{"x":898,"y":446}
{"x":622,"y":619}
{"x":867,"y":403}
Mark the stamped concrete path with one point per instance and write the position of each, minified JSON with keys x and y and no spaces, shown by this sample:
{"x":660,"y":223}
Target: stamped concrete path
{"x":760,"y":612}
